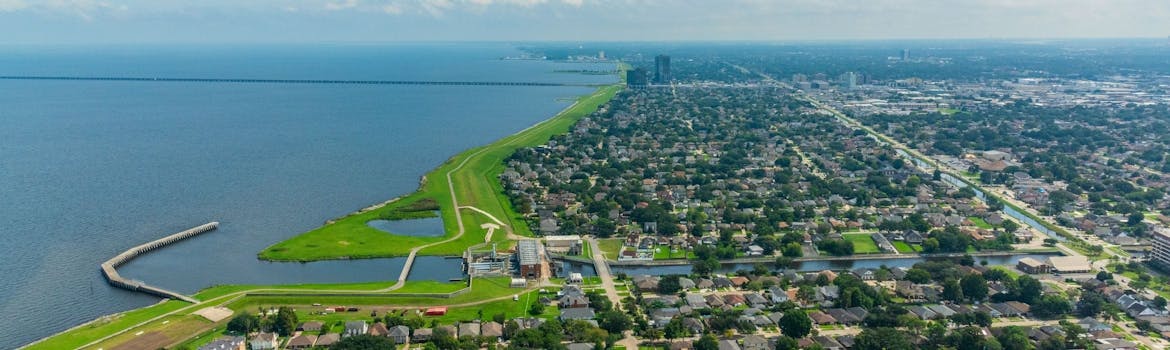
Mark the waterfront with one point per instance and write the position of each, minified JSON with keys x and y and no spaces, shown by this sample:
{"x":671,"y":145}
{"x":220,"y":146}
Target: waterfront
{"x":92,"y":168}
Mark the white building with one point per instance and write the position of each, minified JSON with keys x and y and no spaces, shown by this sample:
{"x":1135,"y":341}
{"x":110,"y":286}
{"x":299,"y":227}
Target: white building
{"x":1161,"y":252}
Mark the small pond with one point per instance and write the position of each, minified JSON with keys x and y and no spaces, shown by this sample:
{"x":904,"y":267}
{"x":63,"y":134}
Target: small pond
{"x":425,"y":227}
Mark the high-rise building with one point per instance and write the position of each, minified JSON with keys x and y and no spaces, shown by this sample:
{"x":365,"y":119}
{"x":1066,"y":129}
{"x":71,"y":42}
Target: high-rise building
{"x":1160,"y":255}
{"x":662,"y":69}
{"x":848,"y":80}
{"x":636,"y":78}
{"x":601,"y":55}
{"x":905,"y":54}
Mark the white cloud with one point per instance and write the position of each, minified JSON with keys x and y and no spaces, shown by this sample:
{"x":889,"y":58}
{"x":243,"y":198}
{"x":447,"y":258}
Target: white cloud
{"x":436,"y":8}
{"x":392,"y":9}
{"x":340,"y":5}
{"x":573,"y":3}
{"x":12,"y":5}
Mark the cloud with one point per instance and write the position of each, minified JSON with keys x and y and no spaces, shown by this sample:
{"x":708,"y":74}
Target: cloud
{"x":392,"y":9}
{"x":341,"y":5}
{"x":573,"y":3}
{"x":436,"y":8}
{"x":12,"y":5}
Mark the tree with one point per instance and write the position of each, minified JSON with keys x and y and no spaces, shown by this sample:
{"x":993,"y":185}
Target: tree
{"x":1090,"y":304}
{"x":707,"y":342}
{"x":675,"y":329}
{"x":243,"y":324}
{"x":974,"y":287}
{"x":918,"y":275}
{"x":614,"y":321}
{"x":1050,"y":306}
{"x":785,"y":342}
{"x":536,"y":309}
{"x":952,"y":290}
{"x":364,"y":342}
{"x":444,"y":340}
{"x":881,"y":338}
{"x":1029,"y":289}
{"x":286,"y":321}
{"x":705,"y":266}
{"x":1104,"y":276}
{"x":669,"y":285}
{"x":793,"y":250}
{"x":1014,"y":338}
{"x":1010,"y":226}
{"x":795,"y":324}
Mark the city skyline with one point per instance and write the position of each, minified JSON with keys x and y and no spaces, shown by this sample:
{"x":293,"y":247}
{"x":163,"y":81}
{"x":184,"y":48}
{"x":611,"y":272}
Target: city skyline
{"x":133,"y":21}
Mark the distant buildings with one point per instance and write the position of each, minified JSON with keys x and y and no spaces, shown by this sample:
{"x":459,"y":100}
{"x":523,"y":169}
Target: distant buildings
{"x":636,"y":78}
{"x":905,"y":54}
{"x":662,"y":69}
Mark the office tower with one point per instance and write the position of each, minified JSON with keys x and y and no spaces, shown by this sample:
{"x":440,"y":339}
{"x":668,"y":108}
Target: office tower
{"x":636,"y":78}
{"x":662,"y":69}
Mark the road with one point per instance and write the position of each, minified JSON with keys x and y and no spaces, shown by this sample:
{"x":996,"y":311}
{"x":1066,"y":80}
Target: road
{"x":606,"y":277}
{"x":1088,"y":239}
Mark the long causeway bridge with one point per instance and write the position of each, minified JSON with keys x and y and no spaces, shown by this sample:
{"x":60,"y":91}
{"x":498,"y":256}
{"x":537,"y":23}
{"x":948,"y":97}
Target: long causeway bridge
{"x":296,"y":81}
{"x":109,"y":268}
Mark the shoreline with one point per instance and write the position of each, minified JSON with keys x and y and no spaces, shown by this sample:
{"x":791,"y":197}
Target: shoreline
{"x":423,"y":183}
{"x":272,"y":254}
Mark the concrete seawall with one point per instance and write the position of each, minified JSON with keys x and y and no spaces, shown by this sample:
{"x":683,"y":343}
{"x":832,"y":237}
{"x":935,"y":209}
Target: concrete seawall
{"x":109,"y":268}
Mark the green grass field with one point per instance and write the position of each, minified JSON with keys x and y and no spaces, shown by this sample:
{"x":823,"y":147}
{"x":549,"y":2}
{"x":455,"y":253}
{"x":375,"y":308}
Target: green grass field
{"x":610,"y":247}
{"x":862,"y":243}
{"x":106,"y":325}
{"x":980,"y":223}
{"x":474,"y":173}
{"x":906,"y":248}
{"x":586,"y":250}
{"x":664,"y":253}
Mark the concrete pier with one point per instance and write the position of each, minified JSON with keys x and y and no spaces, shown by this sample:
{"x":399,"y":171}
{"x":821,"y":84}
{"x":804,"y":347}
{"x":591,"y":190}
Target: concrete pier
{"x":109,"y":268}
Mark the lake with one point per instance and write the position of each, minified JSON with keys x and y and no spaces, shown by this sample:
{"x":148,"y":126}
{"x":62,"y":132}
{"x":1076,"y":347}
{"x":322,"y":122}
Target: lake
{"x":89,"y":169}
{"x":425,"y":227}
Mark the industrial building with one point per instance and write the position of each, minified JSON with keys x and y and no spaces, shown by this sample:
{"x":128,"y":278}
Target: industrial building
{"x":530,"y":259}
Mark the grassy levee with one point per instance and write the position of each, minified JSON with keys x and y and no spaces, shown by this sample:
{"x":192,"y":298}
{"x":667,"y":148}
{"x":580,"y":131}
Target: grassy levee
{"x":236,"y":297}
{"x":474,"y":171}
{"x":81,"y":335}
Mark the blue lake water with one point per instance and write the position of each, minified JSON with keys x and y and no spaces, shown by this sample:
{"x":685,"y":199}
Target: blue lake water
{"x":425,"y":227}
{"x":88,"y":169}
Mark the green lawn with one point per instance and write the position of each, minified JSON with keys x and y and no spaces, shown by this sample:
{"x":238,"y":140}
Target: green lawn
{"x":610,"y":247}
{"x":862,"y":243}
{"x":980,"y":223}
{"x":107,"y":325}
{"x":482,"y":289}
{"x":586,"y":249}
{"x":217,"y":291}
{"x":510,"y":308}
{"x":664,"y":253}
{"x":476,"y":185}
{"x":906,"y":248}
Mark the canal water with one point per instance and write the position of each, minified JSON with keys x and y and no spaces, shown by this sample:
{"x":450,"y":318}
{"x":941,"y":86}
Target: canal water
{"x":811,"y":266}
{"x":1007,"y":210}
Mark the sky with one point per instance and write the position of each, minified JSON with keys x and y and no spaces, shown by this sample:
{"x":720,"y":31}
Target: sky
{"x":280,"y":21}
